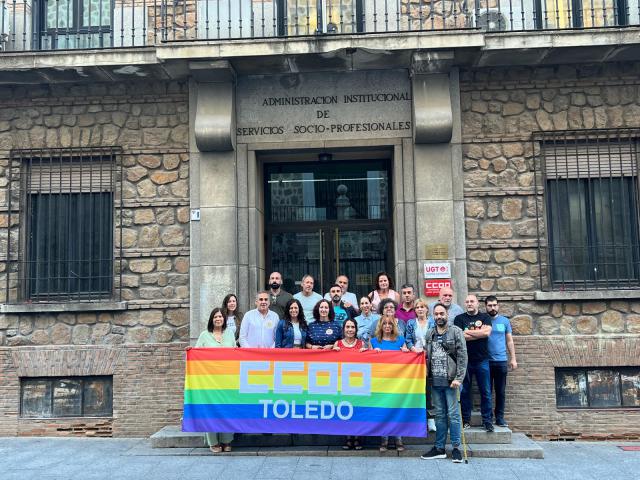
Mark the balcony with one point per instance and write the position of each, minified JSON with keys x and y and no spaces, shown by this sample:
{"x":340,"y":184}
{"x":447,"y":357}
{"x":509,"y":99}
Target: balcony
{"x":47,"y":25}
{"x":50,"y":41}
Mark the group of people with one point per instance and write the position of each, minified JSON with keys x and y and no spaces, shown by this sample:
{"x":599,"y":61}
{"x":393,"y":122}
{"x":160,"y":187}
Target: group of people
{"x":458,"y":343}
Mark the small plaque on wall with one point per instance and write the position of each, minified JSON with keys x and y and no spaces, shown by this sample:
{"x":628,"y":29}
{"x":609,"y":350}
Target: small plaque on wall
{"x":437,"y":251}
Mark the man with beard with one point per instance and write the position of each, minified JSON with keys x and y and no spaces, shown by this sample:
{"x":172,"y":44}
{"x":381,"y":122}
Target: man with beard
{"x":446,"y":362}
{"x":341,"y":311}
{"x":278,"y":298}
{"x":445,"y":297}
{"x":477,"y":328}
{"x":348,"y":298}
{"x":502,"y":355}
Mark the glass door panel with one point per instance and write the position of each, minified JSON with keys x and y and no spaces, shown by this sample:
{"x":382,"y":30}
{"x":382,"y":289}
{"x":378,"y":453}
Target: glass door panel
{"x":295,"y":254}
{"x":360,"y":255}
{"x":312,"y":192}
{"x":327,"y":219}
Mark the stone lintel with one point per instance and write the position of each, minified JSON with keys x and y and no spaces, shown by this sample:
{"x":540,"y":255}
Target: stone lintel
{"x":62,"y":307}
{"x":59,"y":361}
{"x":590,"y":295}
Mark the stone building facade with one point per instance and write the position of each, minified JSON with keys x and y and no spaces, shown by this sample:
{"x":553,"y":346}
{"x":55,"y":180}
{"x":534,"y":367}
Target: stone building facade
{"x":502,"y":110}
{"x":138,"y":338}
{"x":447,"y":132}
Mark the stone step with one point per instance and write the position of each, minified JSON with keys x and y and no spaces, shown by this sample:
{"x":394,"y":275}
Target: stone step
{"x":521,"y":447}
{"x":172,"y":437}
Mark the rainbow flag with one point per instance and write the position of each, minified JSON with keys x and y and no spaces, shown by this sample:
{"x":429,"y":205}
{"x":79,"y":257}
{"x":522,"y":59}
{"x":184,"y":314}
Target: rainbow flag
{"x":255,"y":390}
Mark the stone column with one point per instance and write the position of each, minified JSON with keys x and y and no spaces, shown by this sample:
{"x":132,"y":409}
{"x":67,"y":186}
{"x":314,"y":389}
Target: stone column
{"x":214,"y":245}
{"x":438,"y":162}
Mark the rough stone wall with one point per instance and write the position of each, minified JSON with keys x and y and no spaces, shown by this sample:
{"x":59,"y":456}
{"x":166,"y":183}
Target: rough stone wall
{"x":501,"y":108}
{"x":149,"y":121}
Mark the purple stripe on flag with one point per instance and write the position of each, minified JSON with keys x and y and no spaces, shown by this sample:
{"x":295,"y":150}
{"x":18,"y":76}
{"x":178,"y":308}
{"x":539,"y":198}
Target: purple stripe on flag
{"x":326,"y":427}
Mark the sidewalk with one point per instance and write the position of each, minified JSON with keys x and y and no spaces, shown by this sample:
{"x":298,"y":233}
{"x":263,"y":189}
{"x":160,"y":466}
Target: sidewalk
{"x":80,"y":458}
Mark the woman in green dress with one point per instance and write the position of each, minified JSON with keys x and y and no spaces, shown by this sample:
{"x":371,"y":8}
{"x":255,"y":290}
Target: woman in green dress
{"x":217,"y":335}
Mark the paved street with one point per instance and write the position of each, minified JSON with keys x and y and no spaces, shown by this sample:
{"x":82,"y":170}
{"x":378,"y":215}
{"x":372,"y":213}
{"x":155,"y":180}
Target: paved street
{"x":47,"y":458}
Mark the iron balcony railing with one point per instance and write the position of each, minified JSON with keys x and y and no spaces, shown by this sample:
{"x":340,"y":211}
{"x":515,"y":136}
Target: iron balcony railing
{"x":27,"y":25}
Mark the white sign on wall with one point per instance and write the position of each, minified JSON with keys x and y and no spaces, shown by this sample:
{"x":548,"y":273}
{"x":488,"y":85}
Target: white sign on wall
{"x":437,"y":270}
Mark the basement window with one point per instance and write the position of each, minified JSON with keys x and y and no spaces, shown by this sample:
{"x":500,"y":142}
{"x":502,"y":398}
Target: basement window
{"x":596,"y":387}
{"x":66,"y":397}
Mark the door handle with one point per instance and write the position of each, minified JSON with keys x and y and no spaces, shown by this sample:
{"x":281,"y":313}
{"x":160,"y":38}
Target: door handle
{"x":321,"y":238}
{"x":337,"y":251}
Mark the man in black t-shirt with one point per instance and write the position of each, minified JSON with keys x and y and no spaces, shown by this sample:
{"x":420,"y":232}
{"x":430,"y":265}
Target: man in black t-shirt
{"x":477,"y":328}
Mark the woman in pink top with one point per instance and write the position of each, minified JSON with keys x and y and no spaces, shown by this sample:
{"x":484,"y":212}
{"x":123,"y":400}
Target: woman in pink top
{"x":350,"y":341}
{"x":382,"y":288}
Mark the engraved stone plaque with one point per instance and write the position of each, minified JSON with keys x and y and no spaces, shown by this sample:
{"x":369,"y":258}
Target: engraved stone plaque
{"x":323,"y":106}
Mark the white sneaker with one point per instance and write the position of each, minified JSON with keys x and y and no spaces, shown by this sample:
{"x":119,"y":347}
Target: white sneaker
{"x":431,"y":425}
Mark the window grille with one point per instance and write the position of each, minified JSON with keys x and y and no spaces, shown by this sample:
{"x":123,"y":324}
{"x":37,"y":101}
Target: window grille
{"x":61,"y":237}
{"x":590,"y":184}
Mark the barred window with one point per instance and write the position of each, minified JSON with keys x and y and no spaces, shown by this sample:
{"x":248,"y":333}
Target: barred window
{"x":591,"y":198}
{"x":66,"y":397}
{"x":66,"y":222}
{"x":598,"y":387}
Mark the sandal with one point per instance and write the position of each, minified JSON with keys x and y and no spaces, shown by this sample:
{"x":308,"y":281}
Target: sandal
{"x":348,"y":445}
{"x":356,"y":445}
{"x":226,"y":447}
{"x":215,"y":449}
{"x":384,"y":447}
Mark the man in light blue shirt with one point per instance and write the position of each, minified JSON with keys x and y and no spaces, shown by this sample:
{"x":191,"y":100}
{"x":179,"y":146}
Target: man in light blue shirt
{"x":307,"y":297}
{"x":502,"y":355}
{"x":445,"y":297}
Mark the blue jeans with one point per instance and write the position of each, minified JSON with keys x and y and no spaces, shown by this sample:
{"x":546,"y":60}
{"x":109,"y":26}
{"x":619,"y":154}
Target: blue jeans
{"x":445,"y":409}
{"x":483,"y":377}
{"x":499,"y":372}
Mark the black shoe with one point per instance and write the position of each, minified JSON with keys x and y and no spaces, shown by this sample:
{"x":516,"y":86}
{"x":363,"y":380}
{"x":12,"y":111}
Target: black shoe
{"x":501,"y":423}
{"x":434,"y":453}
{"x":488,"y":426}
{"x":456,"y":456}
{"x":466,"y":425}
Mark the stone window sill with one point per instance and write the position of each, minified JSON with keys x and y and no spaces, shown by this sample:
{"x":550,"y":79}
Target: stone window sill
{"x":73,"y":419}
{"x":62,"y":307}
{"x":588,"y":295}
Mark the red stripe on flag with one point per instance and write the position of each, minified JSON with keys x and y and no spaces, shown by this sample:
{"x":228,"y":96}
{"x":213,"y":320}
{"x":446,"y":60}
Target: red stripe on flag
{"x":297,"y":355}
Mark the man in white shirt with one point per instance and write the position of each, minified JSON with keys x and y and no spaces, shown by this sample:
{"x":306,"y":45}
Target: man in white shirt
{"x":307,"y":297}
{"x":349,"y":299}
{"x":259,"y":325}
